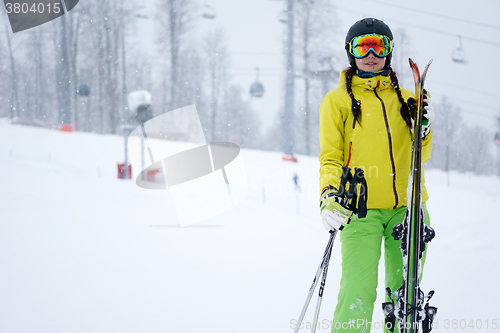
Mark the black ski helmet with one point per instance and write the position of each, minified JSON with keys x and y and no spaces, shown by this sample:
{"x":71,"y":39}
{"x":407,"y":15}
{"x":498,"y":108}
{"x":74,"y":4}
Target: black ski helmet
{"x":367,"y":26}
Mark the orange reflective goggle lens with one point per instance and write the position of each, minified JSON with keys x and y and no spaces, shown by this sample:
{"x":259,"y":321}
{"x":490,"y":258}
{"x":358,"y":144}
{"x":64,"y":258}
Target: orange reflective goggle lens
{"x":380,"y":45}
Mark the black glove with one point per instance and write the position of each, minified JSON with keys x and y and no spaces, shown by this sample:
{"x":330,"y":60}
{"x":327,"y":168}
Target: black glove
{"x":427,"y":114}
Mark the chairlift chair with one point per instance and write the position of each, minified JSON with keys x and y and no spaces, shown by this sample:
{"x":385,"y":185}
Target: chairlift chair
{"x":257,"y":88}
{"x":208,"y":11}
{"x":283,"y":16}
{"x":458,"y":55}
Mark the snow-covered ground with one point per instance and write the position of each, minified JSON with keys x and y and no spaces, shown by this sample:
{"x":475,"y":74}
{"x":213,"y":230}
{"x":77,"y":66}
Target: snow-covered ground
{"x":82,"y":251}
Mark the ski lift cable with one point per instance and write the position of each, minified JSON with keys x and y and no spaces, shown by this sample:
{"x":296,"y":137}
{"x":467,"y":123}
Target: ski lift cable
{"x":426,"y":28}
{"x":252,"y":74}
{"x":467,"y":111}
{"x":436,"y":15}
{"x":265,"y":69}
{"x":259,"y":53}
{"x":477,"y":104}
{"x":448,"y":33}
{"x":447,"y":84}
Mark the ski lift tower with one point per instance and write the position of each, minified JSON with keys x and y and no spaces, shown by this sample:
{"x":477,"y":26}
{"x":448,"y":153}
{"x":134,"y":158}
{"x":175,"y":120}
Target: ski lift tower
{"x":290,"y":84}
{"x":290,"y":81}
{"x":126,"y":127}
{"x":497,"y":142}
{"x":140,"y":102}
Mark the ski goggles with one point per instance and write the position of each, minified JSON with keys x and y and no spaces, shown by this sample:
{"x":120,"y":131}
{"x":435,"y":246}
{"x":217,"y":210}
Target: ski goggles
{"x":360,"y":46}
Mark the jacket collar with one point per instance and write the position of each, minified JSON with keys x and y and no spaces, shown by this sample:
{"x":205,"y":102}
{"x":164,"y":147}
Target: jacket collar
{"x":382,"y":81}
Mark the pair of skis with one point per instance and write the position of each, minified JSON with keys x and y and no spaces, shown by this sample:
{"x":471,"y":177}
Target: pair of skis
{"x":412,"y":309}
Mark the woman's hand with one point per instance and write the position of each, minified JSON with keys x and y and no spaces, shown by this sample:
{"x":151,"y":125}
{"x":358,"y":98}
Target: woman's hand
{"x":427,"y":116}
{"x":427,"y":113}
{"x":333,"y":214}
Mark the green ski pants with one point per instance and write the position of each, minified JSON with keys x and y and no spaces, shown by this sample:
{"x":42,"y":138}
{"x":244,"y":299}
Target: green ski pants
{"x":361,"y":248}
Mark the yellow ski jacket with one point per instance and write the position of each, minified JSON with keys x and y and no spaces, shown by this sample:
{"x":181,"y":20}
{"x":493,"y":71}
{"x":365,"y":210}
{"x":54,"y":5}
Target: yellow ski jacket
{"x":380,"y":145}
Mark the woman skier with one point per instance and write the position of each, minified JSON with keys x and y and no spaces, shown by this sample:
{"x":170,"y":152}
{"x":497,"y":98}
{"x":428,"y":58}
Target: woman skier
{"x":366,"y":122}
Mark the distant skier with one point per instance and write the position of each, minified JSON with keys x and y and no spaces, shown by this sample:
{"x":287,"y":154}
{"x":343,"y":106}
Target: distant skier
{"x":296,"y":181}
{"x":366,"y":123}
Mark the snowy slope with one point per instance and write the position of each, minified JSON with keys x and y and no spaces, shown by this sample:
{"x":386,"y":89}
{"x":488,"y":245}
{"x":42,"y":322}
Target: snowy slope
{"x":81,"y":251}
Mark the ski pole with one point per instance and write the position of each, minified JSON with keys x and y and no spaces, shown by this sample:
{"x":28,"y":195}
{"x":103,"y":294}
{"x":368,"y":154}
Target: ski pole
{"x":346,"y":195}
{"x":322,"y":285}
{"x":324,"y":262}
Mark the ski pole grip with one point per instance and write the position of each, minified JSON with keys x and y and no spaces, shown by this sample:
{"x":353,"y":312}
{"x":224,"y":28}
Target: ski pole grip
{"x":358,"y":206}
{"x":363,"y":198}
{"x":359,"y":178}
{"x":351,"y":193}
{"x":346,"y":176}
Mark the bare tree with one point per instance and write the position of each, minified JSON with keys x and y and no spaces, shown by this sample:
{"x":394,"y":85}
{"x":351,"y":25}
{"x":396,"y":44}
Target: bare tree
{"x":14,"y":110}
{"x":480,"y":158}
{"x":74,"y":21}
{"x":456,"y":146}
{"x":304,"y":22}
{"x":238,"y":122}
{"x":400,"y":58}
{"x":64,"y":84}
{"x":451,"y":120}
{"x":316,"y":26}
{"x":4,"y":84}
{"x":216,"y":51}
{"x":175,"y":18}
{"x":104,"y":55}
{"x":445,"y":128}
{"x":111,"y":33}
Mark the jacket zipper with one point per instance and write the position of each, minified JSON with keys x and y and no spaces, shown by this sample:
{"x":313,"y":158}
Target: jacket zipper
{"x":350,"y":143}
{"x":390,"y":148}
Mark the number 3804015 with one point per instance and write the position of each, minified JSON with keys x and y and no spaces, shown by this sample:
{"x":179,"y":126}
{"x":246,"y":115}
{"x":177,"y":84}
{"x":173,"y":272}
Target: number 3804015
{"x":35,"y":8}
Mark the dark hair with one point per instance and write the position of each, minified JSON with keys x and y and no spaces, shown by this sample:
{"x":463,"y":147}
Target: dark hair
{"x":405,"y":110}
{"x":356,"y":105}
